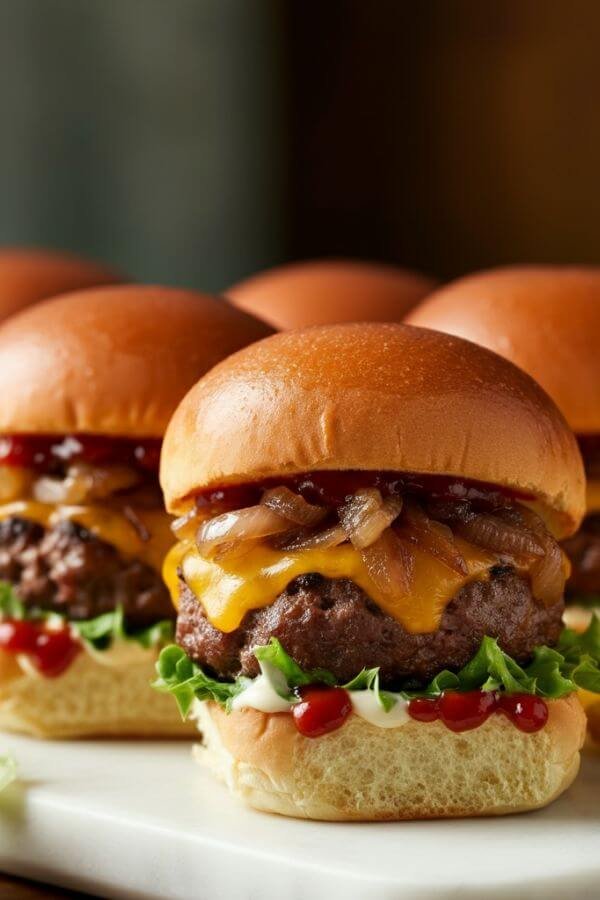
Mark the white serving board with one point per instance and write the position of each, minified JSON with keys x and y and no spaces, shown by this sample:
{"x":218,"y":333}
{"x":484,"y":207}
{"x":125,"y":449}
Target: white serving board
{"x":142,"y":820}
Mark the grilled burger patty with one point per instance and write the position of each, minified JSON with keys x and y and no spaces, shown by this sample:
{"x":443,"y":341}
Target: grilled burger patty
{"x":583,"y":549}
{"x":332,"y":623}
{"x":66,"y":569}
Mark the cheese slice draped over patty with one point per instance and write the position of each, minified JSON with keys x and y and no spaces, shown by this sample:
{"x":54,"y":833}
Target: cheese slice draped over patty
{"x":150,"y":544}
{"x":256,"y":574}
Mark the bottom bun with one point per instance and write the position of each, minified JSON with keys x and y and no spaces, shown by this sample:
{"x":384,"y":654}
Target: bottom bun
{"x":417,"y":771}
{"x":89,"y":700}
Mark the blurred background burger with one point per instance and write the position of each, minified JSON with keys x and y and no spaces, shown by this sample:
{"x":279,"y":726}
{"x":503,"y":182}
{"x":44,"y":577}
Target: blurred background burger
{"x":329,"y":291}
{"x":90,"y":380}
{"x":28,"y":275}
{"x":546,"y":319}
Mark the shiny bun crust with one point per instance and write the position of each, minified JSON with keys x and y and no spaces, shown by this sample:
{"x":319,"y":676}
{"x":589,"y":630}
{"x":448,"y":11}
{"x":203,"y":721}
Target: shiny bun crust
{"x":545,"y":319}
{"x":325,"y":291}
{"x":418,"y":771}
{"x":28,"y":275}
{"x":373,"y":396}
{"x":112,"y":360}
{"x":88,"y":700}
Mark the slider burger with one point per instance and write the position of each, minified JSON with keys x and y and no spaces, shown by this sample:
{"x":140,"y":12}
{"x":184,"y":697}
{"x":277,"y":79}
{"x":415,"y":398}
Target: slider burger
{"x":546,"y":320}
{"x":368,"y":579}
{"x":28,"y":275}
{"x":89,"y":381}
{"x":326,"y":291}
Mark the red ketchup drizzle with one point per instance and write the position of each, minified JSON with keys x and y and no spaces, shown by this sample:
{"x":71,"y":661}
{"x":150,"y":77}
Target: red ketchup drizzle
{"x":47,"y":451}
{"x":321,"y":710}
{"x":463,"y":711}
{"x":51,"y":650}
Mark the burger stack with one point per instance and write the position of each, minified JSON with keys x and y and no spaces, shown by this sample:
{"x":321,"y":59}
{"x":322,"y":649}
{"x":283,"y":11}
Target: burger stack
{"x":355,"y":597}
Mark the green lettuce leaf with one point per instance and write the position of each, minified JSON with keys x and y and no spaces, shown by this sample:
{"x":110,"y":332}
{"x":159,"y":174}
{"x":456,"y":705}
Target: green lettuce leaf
{"x":551,"y":673}
{"x":368,"y":680}
{"x":491,"y":669}
{"x":274,"y":654}
{"x":10,"y":605}
{"x":110,"y":626}
{"x":179,"y":676}
{"x":100,"y":632}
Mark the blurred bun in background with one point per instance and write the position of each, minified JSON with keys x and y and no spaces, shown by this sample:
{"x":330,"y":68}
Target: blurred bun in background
{"x":323,"y":292}
{"x":28,"y":275}
{"x":545,"y":319}
{"x":114,"y":360}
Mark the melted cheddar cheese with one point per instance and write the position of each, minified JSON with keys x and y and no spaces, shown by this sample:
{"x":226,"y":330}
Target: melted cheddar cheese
{"x":106,"y":523}
{"x":253,"y":579}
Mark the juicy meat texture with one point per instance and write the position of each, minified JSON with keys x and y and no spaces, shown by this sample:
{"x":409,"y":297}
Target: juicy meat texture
{"x":583,"y":549}
{"x":67,"y":570}
{"x":332,"y":623}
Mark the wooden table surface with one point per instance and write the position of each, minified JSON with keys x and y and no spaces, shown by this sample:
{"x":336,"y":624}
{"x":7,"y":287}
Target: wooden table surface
{"x":19,"y":889}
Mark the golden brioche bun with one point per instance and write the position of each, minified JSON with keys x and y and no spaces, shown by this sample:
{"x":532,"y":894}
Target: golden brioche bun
{"x":417,"y":771}
{"x":28,"y":275}
{"x":373,"y":397}
{"x":545,"y":319}
{"x":88,"y":700}
{"x":112,"y":360}
{"x":321,"y":292}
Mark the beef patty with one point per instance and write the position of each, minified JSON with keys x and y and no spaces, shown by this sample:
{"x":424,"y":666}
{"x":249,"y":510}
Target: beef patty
{"x":583,"y":549}
{"x":67,"y":570}
{"x":332,"y":623}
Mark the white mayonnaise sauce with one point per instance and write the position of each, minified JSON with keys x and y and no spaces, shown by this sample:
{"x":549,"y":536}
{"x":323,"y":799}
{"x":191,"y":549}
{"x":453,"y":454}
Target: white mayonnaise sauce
{"x":264,"y":693}
{"x":269,"y":694}
{"x":366,"y":705}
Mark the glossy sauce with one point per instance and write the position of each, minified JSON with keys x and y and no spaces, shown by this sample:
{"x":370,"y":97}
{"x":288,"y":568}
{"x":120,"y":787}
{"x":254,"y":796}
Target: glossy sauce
{"x":464,"y":711}
{"x":321,"y":710}
{"x":50,"y":650}
{"x":46,"y":452}
{"x":333,"y":488}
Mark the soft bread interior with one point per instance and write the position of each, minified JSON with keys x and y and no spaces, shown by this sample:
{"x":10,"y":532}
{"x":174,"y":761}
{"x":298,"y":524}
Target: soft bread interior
{"x":88,"y":700}
{"x":417,"y":771}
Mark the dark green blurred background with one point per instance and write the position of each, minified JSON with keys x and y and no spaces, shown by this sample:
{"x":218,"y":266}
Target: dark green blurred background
{"x":195,"y":141}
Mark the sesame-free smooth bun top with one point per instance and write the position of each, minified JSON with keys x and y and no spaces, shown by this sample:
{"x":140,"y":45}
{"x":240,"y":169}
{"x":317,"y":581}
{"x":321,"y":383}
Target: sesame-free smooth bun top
{"x":546,"y":319}
{"x":375,"y":397}
{"x":28,"y":275}
{"x":112,"y":360}
{"x":321,"y":292}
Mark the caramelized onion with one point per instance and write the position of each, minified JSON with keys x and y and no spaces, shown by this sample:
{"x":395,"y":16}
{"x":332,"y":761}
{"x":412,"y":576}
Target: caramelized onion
{"x":366,"y":516}
{"x":433,"y":537}
{"x":492,"y":533}
{"x":181,"y":523}
{"x":547,"y":574}
{"x":293,"y":507}
{"x":241,"y":525}
{"x":321,"y":540}
{"x":390,"y":564}
{"x":84,"y":482}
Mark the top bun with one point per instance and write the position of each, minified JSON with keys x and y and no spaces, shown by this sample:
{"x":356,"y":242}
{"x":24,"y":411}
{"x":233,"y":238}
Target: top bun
{"x":328,"y":291}
{"x":545,"y":319}
{"x":112,"y":360}
{"x":373,"y":396}
{"x":28,"y":275}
